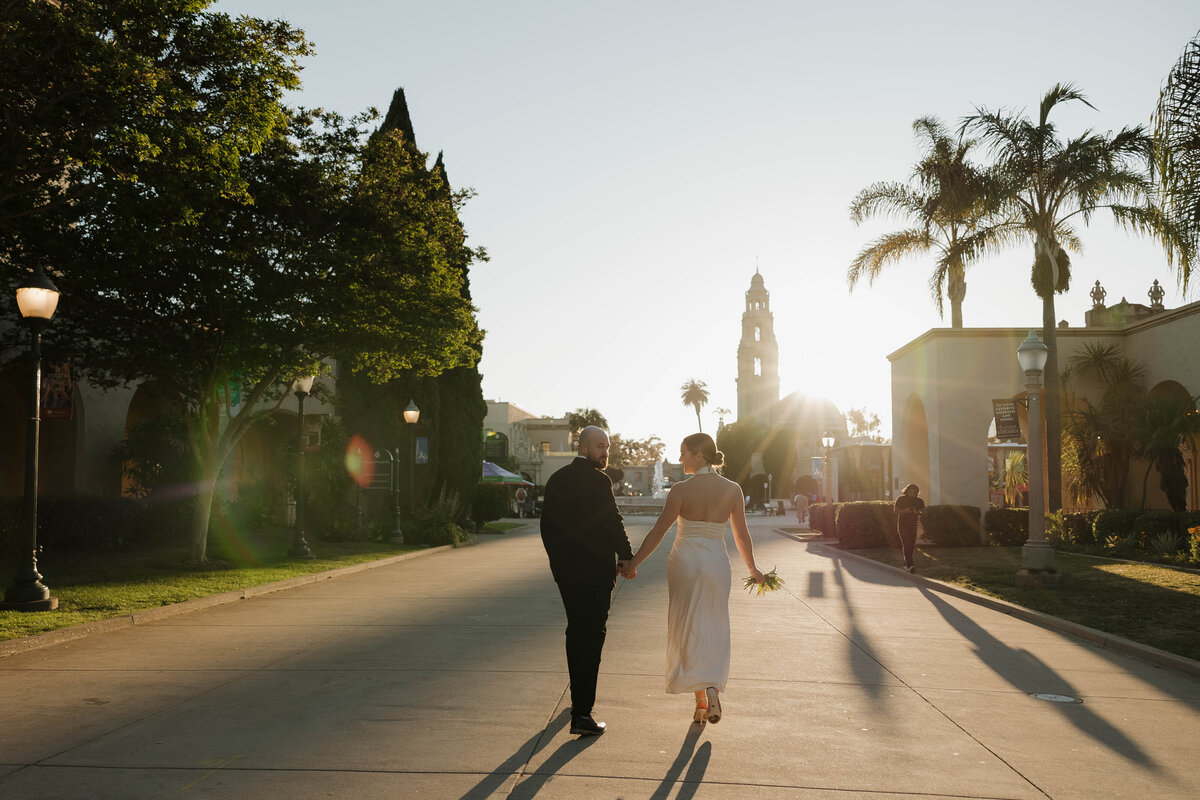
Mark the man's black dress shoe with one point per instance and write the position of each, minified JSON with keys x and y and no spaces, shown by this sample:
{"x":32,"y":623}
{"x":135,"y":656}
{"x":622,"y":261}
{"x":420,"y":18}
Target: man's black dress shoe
{"x":586,"y":726}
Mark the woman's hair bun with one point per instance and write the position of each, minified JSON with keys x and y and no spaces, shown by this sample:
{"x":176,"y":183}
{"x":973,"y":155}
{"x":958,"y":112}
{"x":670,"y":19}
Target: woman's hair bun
{"x":718,"y":459}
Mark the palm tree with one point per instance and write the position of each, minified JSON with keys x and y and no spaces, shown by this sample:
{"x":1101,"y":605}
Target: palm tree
{"x":1044,"y":184}
{"x":580,"y":418}
{"x":946,"y":203}
{"x":694,"y":393}
{"x":1177,"y":157}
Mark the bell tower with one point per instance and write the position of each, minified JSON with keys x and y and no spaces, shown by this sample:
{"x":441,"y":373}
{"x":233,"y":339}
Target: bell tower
{"x":758,"y":356}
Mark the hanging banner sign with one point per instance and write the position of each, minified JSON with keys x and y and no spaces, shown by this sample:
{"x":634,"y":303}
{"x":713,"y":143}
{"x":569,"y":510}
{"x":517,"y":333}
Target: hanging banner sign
{"x":1008,"y":427}
{"x":58,"y":391}
{"x":422,"y":450}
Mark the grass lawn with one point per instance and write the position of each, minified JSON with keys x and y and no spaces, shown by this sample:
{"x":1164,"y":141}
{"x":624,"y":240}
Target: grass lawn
{"x":1142,"y":602}
{"x":91,"y":586}
{"x":503,"y":526}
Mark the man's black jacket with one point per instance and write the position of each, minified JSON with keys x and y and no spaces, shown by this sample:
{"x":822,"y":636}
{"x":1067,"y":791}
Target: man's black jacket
{"x":582,"y":529}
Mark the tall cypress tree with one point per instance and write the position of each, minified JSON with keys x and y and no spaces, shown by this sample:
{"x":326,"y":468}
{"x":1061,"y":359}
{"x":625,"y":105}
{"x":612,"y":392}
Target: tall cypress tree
{"x":451,"y":403}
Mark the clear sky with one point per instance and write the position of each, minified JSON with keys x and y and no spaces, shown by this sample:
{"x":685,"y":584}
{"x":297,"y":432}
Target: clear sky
{"x":635,"y":161}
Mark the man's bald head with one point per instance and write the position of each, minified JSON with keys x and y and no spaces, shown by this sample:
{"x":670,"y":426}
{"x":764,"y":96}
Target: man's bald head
{"x":593,"y":445}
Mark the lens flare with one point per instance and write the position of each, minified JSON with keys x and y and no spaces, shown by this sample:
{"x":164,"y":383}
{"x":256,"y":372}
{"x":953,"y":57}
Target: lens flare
{"x":360,"y":467}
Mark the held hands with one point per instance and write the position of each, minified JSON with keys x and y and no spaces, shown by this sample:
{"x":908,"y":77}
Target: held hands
{"x":627,"y":570}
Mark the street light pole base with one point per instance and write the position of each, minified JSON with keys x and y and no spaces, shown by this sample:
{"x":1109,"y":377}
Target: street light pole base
{"x":397,"y":539}
{"x":1039,"y":579}
{"x":49,"y":604}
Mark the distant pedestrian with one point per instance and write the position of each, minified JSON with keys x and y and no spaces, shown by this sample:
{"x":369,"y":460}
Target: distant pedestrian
{"x":520,"y":498}
{"x":909,"y":508}
{"x":530,"y":501}
{"x":800,"y":501}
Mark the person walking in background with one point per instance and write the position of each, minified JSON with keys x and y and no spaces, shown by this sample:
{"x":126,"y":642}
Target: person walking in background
{"x":909,"y":508}
{"x":530,"y":502}
{"x":800,"y":501}
{"x":520,"y":497}
{"x":585,"y":540}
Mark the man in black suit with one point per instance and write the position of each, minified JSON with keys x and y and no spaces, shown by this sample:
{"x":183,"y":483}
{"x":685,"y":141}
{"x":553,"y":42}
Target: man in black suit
{"x":586,"y":542}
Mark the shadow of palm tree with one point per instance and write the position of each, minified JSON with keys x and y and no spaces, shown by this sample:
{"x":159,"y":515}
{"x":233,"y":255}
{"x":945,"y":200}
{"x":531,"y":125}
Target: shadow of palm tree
{"x":685,"y":755}
{"x":1033,"y":675}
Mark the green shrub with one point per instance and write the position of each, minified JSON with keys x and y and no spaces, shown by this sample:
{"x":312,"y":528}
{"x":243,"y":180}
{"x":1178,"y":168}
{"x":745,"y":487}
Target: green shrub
{"x":868,"y":523}
{"x":1194,"y":535}
{"x":1007,"y":527}
{"x":952,"y":526}
{"x":491,"y":502}
{"x":1079,"y":527}
{"x":438,"y":524}
{"x":1151,"y":523}
{"x":1165,"y":543}
{"x":1122,"y":545}
{"x":823,"y":517}
{"x":1114,"y":521}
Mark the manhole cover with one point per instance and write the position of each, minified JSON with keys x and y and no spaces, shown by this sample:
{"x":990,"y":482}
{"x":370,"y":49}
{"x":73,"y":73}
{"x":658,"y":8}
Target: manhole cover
{"x":1055,"y":698}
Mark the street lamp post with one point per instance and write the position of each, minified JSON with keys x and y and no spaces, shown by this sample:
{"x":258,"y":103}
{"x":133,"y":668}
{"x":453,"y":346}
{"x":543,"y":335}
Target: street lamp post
{"x":828,"y":440}
{"x":1037,"y":555}
{"x":301,"y":387}
{"x":397,"y":530}
{"x":411,"y":415}
{"x":37,"y":298}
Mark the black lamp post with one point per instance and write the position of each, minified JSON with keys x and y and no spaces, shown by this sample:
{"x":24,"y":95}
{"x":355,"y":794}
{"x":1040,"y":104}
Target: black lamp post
{"x":37,"y":298}
{"x":301,"y":387}
{"x":411,"y":415}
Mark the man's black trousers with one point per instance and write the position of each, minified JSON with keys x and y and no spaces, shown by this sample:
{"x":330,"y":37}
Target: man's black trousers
{"x":587,"y":615}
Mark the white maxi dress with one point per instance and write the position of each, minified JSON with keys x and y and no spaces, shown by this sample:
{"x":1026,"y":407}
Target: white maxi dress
{"x":698,"y":584}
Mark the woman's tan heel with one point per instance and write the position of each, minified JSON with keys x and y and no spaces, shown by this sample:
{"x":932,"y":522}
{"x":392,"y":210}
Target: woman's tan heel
{"x":714,"y":704}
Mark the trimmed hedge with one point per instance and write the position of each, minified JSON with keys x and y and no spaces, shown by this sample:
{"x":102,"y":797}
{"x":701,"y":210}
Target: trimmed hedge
{"x":823,"y":517}
{"x":1114,"y":522}
{"x":1007,"y":527}
{"x":867,"y":523}
{"x":952,"y":526}
{"x":491,"y":501}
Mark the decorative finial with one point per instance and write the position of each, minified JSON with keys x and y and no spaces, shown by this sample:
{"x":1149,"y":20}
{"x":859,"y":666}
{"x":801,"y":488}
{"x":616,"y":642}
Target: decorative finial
{"x":1098,"y":294}
{"x":1156,"y":295}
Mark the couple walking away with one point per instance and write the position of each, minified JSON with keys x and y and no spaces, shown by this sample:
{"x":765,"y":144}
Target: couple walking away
{"x":586,"y":542}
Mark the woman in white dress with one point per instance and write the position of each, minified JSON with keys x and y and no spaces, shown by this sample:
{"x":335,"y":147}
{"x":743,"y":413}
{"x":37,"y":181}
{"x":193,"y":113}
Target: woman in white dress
{"x":698,"y":574}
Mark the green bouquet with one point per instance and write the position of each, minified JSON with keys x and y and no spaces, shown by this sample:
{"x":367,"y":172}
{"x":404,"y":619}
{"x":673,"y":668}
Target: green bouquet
{"x":770,"y":583}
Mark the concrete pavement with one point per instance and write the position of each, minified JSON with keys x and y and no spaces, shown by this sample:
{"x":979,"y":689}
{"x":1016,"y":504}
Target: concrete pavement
{"x":444,"y":677}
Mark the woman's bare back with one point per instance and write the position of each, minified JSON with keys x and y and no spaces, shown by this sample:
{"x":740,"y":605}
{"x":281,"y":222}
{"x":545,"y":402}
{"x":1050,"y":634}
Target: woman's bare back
{"x":708,"y":497}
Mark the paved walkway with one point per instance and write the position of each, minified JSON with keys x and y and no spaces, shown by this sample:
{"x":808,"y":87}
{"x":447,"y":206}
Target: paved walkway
{"x":444,"y":677}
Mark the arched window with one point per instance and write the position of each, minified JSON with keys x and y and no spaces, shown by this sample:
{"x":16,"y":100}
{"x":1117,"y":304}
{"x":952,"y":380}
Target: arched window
{"x":757,"y":334}
{"x":758,"y":366}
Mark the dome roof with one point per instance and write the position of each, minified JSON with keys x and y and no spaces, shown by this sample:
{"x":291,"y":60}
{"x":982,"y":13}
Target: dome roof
{"x":799,"y":410}
{"x":757,"y":281}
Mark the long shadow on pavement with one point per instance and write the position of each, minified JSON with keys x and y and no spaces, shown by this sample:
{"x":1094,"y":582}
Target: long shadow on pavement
{"x":1077,"y":714}
{"x":513,"y":764}
{"x":558,"y":759}
{"x":685,"y":755}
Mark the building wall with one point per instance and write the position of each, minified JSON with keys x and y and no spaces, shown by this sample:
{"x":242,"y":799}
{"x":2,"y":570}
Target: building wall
{"x":948,"y":378}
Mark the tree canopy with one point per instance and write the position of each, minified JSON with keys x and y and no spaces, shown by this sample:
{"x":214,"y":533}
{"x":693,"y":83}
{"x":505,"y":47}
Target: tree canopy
{"x":251,"y":243}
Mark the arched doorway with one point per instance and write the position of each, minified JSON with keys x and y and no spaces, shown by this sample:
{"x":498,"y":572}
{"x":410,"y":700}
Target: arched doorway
{"x":1146,"y":481}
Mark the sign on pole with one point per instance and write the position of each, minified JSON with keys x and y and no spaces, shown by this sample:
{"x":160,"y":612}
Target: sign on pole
{"x":1008,"y":427}
{"x":422,"y":454}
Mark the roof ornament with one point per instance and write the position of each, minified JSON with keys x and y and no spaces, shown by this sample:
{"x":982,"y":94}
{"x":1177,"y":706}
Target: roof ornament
{"x":1098,"y":294}
{"x":1156,"y":295}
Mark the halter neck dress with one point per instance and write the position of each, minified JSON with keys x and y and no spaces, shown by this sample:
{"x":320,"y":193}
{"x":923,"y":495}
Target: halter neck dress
{"x":698,"y":584}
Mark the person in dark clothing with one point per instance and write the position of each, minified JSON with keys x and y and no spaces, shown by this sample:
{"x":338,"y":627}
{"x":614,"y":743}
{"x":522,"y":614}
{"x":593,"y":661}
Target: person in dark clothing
{"x":586,"y":543}
{"x":909,"y":508}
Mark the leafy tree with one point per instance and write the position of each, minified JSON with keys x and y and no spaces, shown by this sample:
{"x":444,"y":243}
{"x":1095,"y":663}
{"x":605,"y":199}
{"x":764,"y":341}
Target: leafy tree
{"x":739,"y":441}
{"x":946,"y":202}
{"x":1046,"y":185}
{"x":624,"y":452}
{"x":580,"y":418}
{"x":863,"y":423}
{"x":694,"y":393}
{"x":255,"y":243}
{"x":1177,"y":158}
{"x":93,"y":91}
